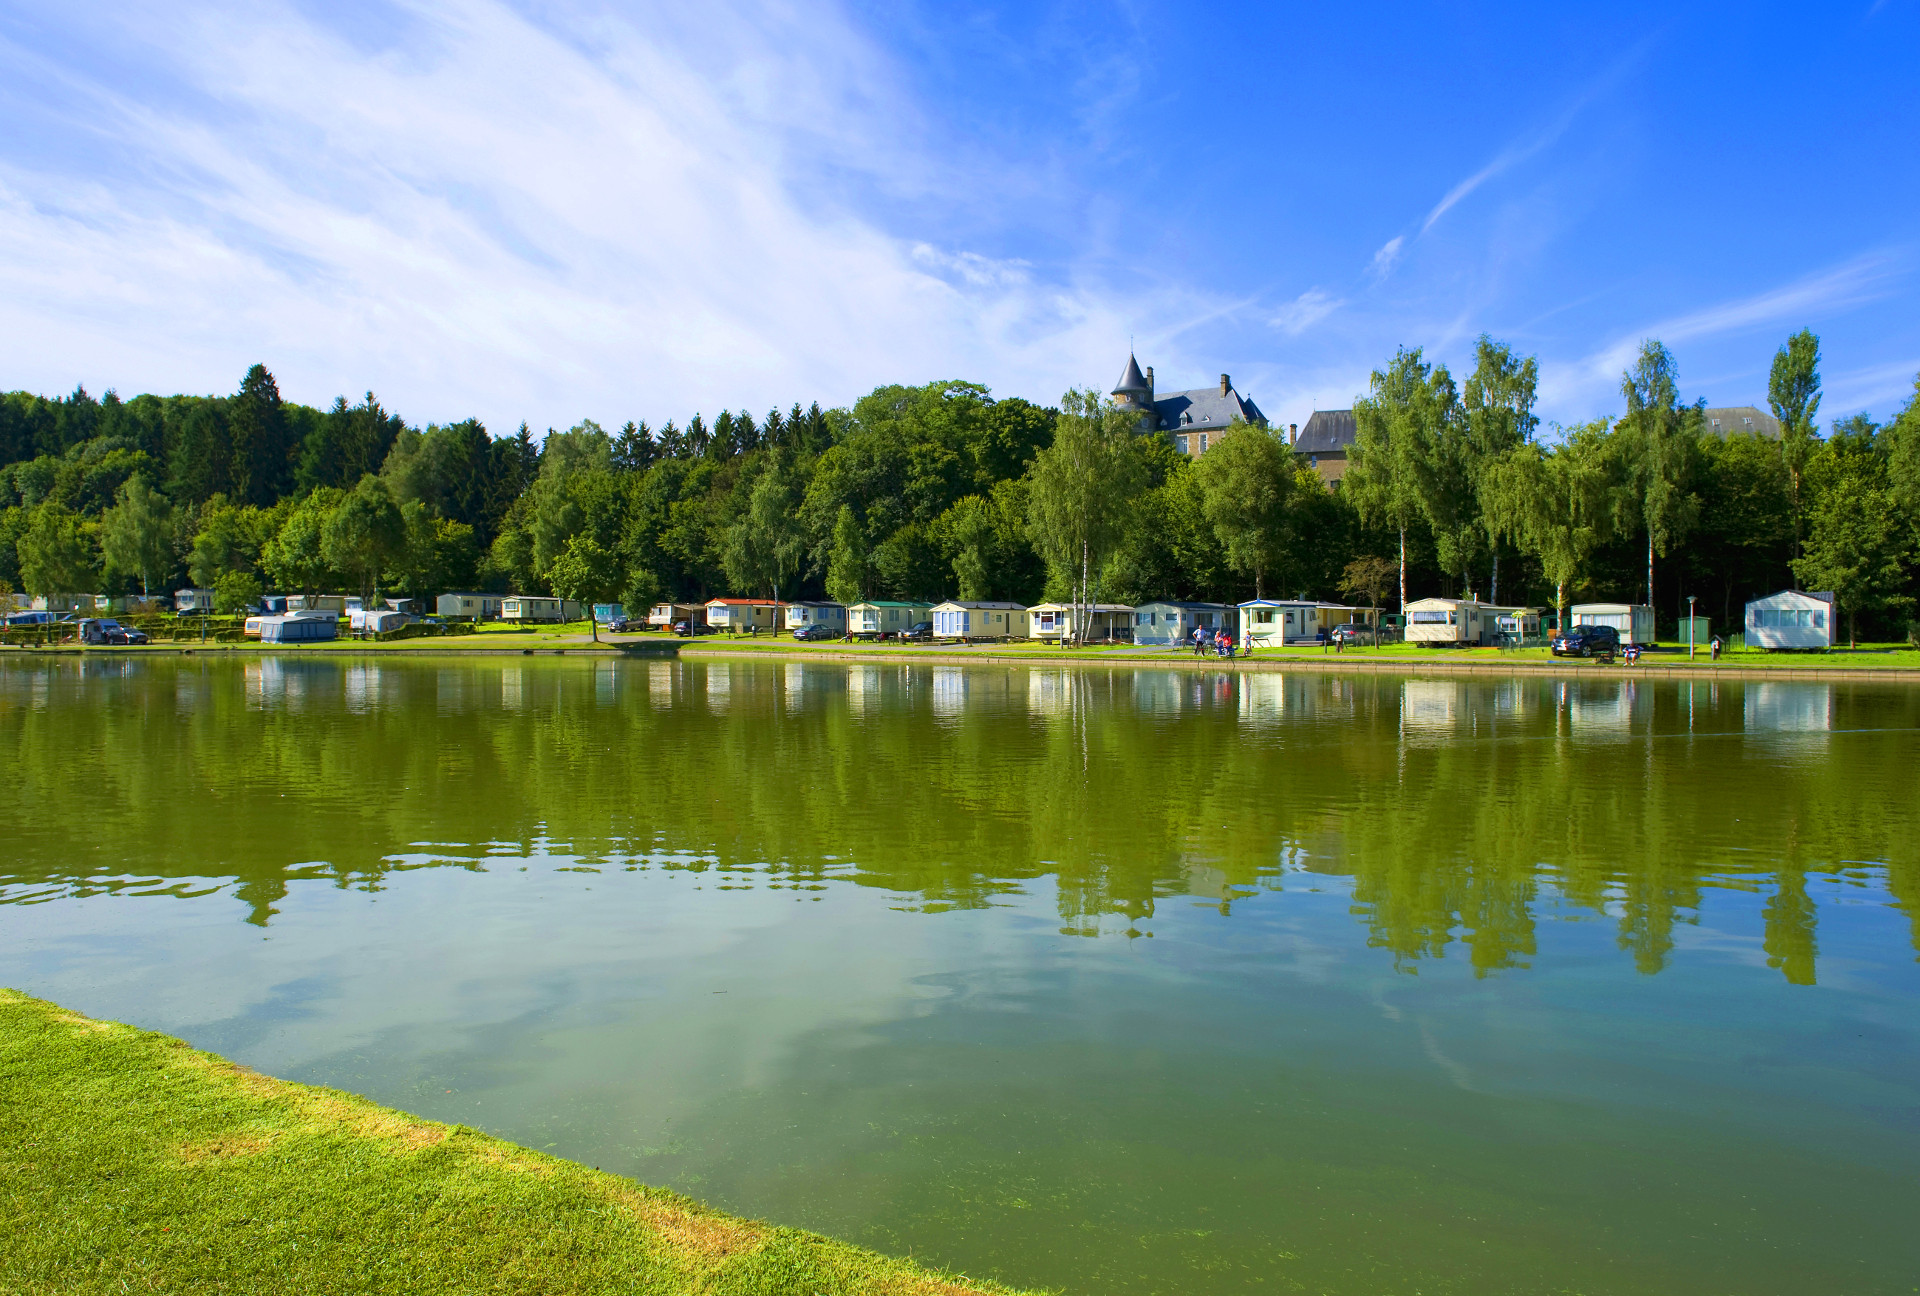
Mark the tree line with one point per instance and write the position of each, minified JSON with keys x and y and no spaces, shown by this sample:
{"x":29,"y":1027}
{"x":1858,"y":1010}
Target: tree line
{"x":943,"y":490}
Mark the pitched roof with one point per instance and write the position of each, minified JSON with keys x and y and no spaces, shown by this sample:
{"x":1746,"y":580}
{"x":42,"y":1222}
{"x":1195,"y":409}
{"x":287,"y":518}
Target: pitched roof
{"x":1132,"y":380}
{"x":1728,"y":419}
{"x":1204,"y":409}
{"x":1327,"y":432}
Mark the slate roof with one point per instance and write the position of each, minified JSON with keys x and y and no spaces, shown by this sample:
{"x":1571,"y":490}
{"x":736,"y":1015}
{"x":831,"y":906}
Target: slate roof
{"x":1204,"y":409}
{"x":1132,"y":380}
{"x":1327,"y":432}
{"x":1729,"y":419}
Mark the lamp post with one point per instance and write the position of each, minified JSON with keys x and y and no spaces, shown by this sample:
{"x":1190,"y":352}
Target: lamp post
{"x":1693,"y":627}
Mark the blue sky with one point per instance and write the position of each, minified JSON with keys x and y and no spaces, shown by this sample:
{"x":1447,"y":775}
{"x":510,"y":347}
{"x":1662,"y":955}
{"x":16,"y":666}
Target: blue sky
{"x":555,"y":211}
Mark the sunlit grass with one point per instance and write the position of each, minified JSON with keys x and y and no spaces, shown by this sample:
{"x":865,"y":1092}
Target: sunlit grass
{"x":130,"y":1162}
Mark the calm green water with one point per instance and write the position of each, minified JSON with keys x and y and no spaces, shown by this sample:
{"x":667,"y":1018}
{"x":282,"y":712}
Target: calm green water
{"x":1128,"y":981}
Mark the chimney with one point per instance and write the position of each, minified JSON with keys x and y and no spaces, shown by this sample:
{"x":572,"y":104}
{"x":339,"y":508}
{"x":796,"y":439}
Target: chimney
{"x":1149,"y":382}
{"x":1293,"y":433}
{"x":1225,"y":382}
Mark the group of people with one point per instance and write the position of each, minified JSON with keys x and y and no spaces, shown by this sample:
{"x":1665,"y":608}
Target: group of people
{"x":1218,"y":642}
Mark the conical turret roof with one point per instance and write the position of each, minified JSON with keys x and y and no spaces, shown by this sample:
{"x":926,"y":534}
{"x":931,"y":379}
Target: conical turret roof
{"x":1132,"y":380}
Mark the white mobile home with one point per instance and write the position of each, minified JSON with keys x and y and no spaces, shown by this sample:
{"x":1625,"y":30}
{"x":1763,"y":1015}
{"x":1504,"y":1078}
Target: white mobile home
{"x":338,"y":604}
{"x":470,"y":607}
{"x":1271,"y":623}
{"x":664,"y":616}
{"x":980,"y":620}
{"x":1172,"y":621}
{"x":1792,"y":619}
{"x":535,"y":608}
{"x":1054,"y":622}
{"x":1440,"y":622}
{"x":807,"y":612}
{"x":744,"y":616}
{"x":193,"y":602}
{"x":1634,"y":621}
{"x":882,"y":618}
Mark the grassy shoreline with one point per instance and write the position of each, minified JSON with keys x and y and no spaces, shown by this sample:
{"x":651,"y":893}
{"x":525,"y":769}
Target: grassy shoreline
{"x":1877,"y":661}
{"x":131,"y":1162}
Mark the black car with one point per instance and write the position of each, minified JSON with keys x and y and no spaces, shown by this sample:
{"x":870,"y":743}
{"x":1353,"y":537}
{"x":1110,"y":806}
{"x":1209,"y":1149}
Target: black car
{"x":686,"y":629}
{"x":918,"y":632}
{"x":1587,"y":641}
{"x":807,"y":634}
{"x":107,"y":631}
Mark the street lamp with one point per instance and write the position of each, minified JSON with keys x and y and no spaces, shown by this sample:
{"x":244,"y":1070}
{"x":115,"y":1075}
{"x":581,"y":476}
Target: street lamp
{"x":1693,"y":627}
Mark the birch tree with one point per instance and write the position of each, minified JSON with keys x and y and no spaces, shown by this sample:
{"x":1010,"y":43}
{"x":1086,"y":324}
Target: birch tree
{"x":1081,"y":488}
{"x":136,"y":534}
{"x":1661,"y":445}
{"x":1555,"y":505}
{"x":1497,"y":403}
{"x":1391,"y":476}
{"x":1793,"y":393}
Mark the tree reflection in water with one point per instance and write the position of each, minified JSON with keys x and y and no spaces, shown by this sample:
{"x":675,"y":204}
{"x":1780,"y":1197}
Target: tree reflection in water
{"x":1464,"y":811}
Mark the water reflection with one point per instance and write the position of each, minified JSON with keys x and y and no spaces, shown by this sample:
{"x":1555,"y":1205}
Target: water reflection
{"x":1464,"y":812}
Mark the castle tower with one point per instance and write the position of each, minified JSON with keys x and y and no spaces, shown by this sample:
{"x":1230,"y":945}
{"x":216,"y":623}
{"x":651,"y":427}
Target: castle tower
{"x":1135,"y":391}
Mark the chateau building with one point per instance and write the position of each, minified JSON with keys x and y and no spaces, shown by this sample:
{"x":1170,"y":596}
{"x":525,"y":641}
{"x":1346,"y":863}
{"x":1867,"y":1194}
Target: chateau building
{"x":1194,"y":419}
{"x":1325,"y":441}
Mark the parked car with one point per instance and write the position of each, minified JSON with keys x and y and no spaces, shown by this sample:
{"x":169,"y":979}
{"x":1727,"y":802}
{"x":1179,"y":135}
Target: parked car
{"x":105,"y":630}
{"x":621,"y":625}
{"x":810,"y":633}
{"x":686,"y":629}
{"x":918,"y":632}
{"x":1587,"y":641}
{"x":1353,"y":634}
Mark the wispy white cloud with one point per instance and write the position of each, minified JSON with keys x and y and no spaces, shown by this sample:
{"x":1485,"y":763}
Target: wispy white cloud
{"x":1304,"y":311}
{"x":1536,"y":142}
{"x":1387,"y":257}
{"x":1849,"y":284}
{"x":1874,"y":387}
{"x":513,"y":220}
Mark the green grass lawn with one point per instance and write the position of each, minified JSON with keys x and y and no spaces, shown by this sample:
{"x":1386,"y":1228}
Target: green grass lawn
{"x":130,"y":1162}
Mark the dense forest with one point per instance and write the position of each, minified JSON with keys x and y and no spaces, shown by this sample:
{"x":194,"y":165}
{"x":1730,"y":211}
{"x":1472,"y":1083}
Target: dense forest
{"x":943,"y":490}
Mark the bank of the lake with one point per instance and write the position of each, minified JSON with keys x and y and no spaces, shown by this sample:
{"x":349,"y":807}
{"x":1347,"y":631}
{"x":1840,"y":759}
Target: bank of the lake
{"x":1879,"y":663}
{"x":129,"y":1161}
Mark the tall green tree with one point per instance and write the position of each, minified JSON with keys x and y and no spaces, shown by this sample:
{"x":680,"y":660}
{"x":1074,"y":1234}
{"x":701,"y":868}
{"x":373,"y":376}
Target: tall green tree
{"x":1902,"y":440}
{"x":56,"y":554}
{"x":257,"y":432}
{"x":1391,"y":477}
{"x":229,"y":537}
{"x":1557,"y":505}
{"x":847,"y":572}
{"x":1245,"y":482}
{"x":586,"y":572}
{"x":136,"y":534}
{"x":1497,"y":402}
{"x":1858,"y":540}
{"x":1662,"y":447}
{"x":295,"y":558}
{"x":364,"y":534}
{"x":1080,"y":488}
{"x":766,"y":543}
{"x":1793,"y":391}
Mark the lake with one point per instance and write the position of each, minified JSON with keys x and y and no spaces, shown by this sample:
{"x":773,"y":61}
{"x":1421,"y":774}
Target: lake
{"x":1109,"y":979}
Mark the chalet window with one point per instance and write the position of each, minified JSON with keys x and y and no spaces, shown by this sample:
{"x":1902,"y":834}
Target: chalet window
{"x":1203,"y":443}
